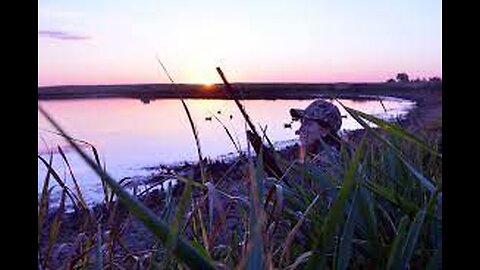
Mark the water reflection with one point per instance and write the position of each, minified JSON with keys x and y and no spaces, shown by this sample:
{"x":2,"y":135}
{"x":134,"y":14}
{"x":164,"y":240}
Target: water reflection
{"x":131,"y":135}
{"x":160,"y":131}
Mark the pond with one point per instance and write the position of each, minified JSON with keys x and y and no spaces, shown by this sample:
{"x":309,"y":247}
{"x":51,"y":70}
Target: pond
{"x":132,"y":136}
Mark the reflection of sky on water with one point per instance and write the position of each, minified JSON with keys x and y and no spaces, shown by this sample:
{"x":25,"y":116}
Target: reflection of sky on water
{"x":130,"y":135}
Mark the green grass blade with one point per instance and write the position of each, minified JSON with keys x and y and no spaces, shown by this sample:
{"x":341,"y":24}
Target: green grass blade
{"x":412,"y":237}
{"x":392,"y":196}
{"x":178,"y":220}
{"x":59,"y":181}
{"x":314,"y":173}
{"x":44,"y":200}
{"x":215,"y":206}
{"x":211,"y":202}
{"x":436,"y":261}
{"x":185,"y":200}
{"x":396,"y":250}
{"x":345,"y":249}
{"x":77,"y":187}
{"x":367,"y":213}
{"x":434,"y":201}
{"x":55,"y":229}
{"x":334,"y":218}
{"x":104,"y":184}
{"x":392,"y":129}
{"x":96,"y":156}
{"x":182,"y":249}
{"x":424,"y":181}
{"x":286,"y":249}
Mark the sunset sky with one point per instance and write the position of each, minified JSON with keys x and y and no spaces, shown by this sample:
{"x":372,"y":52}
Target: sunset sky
{"x":115,"y":42}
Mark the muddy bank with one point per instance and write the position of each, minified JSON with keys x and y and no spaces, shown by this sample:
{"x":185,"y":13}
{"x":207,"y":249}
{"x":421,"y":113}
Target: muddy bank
{"x":130,"y":236}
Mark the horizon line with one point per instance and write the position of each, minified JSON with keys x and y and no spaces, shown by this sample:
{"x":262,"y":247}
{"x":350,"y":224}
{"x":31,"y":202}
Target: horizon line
{"x":181,"y":83}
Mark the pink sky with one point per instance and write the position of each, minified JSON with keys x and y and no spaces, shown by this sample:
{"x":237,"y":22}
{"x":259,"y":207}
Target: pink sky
{"x":276,"y":41}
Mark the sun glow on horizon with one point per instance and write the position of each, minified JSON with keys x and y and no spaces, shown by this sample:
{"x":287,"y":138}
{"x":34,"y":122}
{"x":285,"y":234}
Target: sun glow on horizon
{"x":322,"y":41}
{"x":201,"y":74}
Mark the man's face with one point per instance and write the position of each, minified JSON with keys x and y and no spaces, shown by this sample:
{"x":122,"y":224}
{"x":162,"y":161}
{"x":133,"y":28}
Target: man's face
{"x":310,"y":131}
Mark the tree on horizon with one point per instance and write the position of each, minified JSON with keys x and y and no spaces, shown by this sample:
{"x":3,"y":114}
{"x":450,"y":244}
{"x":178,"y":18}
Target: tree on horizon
{"x":402,"y":77}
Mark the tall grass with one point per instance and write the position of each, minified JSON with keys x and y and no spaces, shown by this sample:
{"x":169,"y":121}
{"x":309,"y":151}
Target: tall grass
{"x":378,"y":207}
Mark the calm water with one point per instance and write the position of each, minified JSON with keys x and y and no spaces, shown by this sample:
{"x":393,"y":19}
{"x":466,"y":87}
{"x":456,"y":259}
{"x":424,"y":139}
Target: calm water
{"x":131,"y":135}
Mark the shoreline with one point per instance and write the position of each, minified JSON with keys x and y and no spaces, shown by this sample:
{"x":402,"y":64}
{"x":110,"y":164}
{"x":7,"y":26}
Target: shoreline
{"x":148,"y":92}
{"x":424,"y":117}
{"x":426,"y":110}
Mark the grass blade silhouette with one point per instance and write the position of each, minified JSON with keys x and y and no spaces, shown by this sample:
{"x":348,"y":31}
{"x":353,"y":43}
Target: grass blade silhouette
{"x":182,"y":249}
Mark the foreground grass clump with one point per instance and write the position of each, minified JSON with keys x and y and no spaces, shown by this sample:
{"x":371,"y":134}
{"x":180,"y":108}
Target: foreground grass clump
{"x":379,"y":207}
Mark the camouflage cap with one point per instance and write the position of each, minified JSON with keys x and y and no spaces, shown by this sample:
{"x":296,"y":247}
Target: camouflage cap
{"x":321,"y":111}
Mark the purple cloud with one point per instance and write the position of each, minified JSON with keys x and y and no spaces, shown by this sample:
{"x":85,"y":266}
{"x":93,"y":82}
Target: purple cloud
{"x":61,"y":35}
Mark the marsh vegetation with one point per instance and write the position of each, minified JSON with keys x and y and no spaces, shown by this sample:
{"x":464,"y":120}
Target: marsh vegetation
{"x":379,"y":208}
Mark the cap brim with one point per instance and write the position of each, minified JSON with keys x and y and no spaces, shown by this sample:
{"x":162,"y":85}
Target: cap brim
{"x":297,"y":113}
